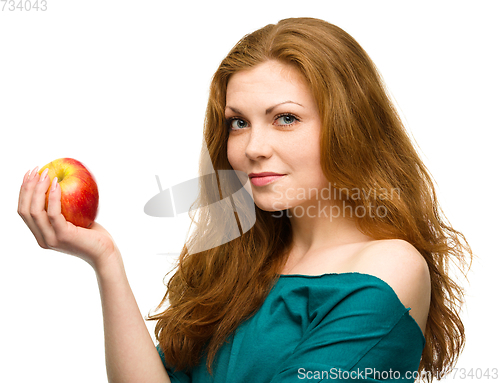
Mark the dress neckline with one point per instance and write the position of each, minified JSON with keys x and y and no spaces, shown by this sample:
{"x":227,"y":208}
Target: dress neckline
{"x":323,"y":275}
{"x":306,"y":276}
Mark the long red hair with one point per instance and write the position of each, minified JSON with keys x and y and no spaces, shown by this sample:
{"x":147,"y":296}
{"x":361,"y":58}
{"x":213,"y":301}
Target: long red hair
{"x":364,"y":145}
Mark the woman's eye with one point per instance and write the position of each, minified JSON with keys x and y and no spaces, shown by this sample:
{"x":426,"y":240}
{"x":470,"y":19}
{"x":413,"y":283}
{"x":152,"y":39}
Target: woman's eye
{"x":286,"y":119}
{"x":236,"y":124}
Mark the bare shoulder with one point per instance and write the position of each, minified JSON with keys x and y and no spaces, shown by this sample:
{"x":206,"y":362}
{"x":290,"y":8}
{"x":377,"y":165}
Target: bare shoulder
{"x":401,"y":266}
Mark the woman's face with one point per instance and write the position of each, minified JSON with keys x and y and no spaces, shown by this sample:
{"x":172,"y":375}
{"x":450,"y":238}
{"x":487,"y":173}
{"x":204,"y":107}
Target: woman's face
{"x":274,"y":126}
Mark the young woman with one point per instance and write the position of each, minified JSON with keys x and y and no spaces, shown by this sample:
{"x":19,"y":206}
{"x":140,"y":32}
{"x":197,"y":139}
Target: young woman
{"x":343,"y":274}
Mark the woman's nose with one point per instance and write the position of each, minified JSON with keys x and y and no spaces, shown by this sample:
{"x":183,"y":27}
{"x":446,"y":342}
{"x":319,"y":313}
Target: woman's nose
{"x":259,"y":143}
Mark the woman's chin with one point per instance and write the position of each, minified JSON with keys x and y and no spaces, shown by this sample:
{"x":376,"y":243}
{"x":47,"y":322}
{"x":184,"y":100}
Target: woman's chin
{"x":272,"y":207}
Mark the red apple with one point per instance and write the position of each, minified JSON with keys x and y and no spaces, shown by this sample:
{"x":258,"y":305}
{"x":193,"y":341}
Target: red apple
{"x":79,"y":194}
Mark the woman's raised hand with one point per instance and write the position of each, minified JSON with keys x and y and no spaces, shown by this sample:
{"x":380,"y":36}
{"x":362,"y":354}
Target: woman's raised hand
{"x":50,"y":228}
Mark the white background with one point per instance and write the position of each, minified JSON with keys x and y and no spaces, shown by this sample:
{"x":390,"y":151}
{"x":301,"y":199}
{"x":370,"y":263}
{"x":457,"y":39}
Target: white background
{"x":122,"y":86}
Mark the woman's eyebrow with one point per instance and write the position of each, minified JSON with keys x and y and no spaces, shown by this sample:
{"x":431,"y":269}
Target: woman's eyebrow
{"x":268,"y":110}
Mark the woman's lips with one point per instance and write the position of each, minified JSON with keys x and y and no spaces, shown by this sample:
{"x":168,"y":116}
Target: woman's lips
{"x":261,"y":181}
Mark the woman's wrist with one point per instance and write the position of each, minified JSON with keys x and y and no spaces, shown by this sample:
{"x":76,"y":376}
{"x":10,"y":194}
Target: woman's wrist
{"x":109,"y":266}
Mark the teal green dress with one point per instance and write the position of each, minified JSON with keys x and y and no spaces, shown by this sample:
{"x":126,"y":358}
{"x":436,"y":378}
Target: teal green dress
{"x":348,"y":327}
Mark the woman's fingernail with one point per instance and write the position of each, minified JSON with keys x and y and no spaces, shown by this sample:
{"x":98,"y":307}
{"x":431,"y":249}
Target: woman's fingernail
{"x":44,"y":175}
{"x":54,"y":184}
{"x":33,"y":173}
{"x":26,"y":176}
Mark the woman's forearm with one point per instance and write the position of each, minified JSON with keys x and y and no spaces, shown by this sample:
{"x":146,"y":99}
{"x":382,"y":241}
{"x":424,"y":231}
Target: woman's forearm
{"x":131,"y":355}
